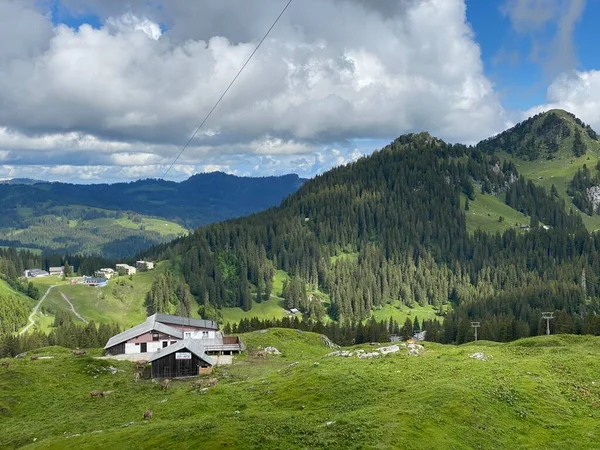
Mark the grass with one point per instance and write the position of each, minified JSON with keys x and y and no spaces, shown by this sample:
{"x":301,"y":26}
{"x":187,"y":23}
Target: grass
{"x":269,"y":309}
{"x":400,"y":313}
{"x":484,"y":213}
{"x":560,"y":172}
{"x":278,"y":279}
{"x":542,"y":392}
{"x":119,"y":303}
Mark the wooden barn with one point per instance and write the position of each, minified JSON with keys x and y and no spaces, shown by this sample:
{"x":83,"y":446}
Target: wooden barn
{"x":185,"y":358}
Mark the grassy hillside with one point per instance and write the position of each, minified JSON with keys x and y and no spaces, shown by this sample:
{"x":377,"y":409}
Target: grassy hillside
{"x":486,"y":210}
{"x":122,"y":301}
{"x":534,"y":393}
{"x":77,"y":229}
{"x":549,"y":168}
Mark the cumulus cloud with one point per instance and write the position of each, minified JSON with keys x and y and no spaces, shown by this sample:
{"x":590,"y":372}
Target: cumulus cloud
{"x":577,"y":92}
{"x":131,"y":92}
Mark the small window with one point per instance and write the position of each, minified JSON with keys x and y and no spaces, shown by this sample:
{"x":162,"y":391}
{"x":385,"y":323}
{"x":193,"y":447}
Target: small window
{"x":205,"y":334}
{"x":137,"y":343}
{"x":155,"y":337}
{"x":165,"y":343}
{"x":172,"y":342}
{"x":187,"y":335}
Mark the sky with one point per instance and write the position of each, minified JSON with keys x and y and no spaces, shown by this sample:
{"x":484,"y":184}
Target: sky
{"x":110,"y":90}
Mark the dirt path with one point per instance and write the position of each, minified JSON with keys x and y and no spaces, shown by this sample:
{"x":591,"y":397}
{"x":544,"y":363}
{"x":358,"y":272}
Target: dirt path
{"x":66,"y":299}
{"x":35,"y":309}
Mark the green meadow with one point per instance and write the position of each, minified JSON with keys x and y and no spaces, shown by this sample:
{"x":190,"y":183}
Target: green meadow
{"x":537,"y":393}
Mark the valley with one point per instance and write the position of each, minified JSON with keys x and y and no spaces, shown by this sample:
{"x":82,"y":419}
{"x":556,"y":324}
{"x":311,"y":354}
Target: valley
{"x":123,"y":219}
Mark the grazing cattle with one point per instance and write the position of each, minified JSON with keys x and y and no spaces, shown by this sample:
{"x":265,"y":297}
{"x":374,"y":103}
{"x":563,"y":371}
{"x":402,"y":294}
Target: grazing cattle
{"x":35,"y":358}
{"x":136,"y":377}
{"x":148,"y":414}
{"x":196,"y":384}
{"x":96,"y":394}
{"x":211,"y":382}
{"x":78,"y":352}
{"x":260,"y":354}
{"x":165,"y":384}
{"x":5,"y":364}
{"x":141,"y":364}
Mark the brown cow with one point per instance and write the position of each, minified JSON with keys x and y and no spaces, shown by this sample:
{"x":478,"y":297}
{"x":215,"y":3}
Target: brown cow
{"x":165,"y":384}
{"x":211,"y":382}
{"x":6,"y":364}
{"x":78,"y":352}
{"x":96,"y":394}
{"x":196,"y":384}
{"x":260,"y":354}
{"x":141,"y":364}
{"x":148,"y":414}
{"x":35,"y":358}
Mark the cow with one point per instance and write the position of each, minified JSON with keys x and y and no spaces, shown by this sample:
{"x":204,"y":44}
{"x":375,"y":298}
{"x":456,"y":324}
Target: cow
{"x":136,"y":377}
{"x":165,"y":384}
{"x":35,"y":358}
{"x":78,"y":352}
{"x":260,"y":354}
{"x":5,"y":364}
{"x":141,"y":364}
{"x":211,"y":382}
{"x":196,"y":384}
{"x":96,"y":394}
{"x":148,"y":414}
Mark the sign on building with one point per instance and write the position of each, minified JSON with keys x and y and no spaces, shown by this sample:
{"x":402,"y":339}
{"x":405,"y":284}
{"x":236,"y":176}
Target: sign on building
{"x":183,"y":355}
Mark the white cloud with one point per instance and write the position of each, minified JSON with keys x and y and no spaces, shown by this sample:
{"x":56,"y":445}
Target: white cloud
{"x":333,"y":71}
{"x":577,"y":92}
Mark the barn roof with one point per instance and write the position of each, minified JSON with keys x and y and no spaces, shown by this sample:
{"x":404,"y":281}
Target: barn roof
{"x":179,"y":320}
{"x":192,"y":345}
{"x":151,"y":324}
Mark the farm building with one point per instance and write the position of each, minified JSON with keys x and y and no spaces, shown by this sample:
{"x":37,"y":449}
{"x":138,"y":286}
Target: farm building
{"x":142,"y":266}
{"x":35,"y":273}
{"x":183,"y":359}
{"x":126,"y":269}
{"x":105,"y":273}
{"x":56,"y":270}
{"x":160,"y":331}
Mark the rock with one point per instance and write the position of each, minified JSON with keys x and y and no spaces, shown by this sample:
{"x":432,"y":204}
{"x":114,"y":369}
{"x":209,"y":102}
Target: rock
{"x":112,"y":369}
{"x":369,"y":355}
{"x":272,"y":351}
{"x":328,"y":342}
{"x":316,"y":364}
{"x":163,"y":400}
{"x":389,"y":349}
{"x":480,"y":356}
{"x":236,"y":412}
{"x":331,"y":422}
{"x":413,"y":352}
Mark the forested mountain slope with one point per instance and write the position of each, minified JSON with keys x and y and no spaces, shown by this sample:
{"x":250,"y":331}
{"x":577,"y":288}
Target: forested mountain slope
{"x":551,"y":149}
{"x":401,"y":212}
{"x":123,"y":219}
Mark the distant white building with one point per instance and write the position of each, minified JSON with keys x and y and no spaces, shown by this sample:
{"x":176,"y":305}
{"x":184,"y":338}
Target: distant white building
{"x":56,"y":270}
{"x":35,"y":273}
{"x":126,"y":268}
{"x":105,"y":273}
{"x":142,"y":266}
